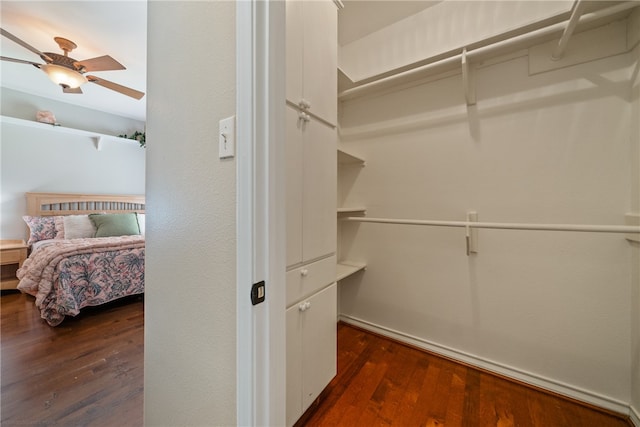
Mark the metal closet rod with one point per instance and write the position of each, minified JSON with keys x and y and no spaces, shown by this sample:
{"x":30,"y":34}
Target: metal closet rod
{"x":489,"y":49}
{"x":503,"y":225}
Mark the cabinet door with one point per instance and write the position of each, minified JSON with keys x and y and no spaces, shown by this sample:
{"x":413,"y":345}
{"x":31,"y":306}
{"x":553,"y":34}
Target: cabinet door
{"x":294,"y":45}
{"x":293,"y":183}
{"x":320,"y":58}
{"x":294,"y":364}
{"x":319,"y":344}
{"x":319,"y":177}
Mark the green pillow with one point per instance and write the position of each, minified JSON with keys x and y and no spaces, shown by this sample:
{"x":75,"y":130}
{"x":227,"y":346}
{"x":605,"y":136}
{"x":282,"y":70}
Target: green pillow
{"x":122,"y":224}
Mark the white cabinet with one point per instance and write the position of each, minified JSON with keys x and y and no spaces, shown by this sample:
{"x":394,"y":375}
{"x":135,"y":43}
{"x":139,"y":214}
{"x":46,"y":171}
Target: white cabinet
{"x":311,"y":350}
{"x":304,"y":281}
{"x":312,"y":58}
{"x":311,"y":194}
{"x":311,"y":181}
{"x":311,"y":135}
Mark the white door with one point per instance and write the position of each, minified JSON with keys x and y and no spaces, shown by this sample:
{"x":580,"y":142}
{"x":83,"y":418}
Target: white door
{"x":294,"y":364}
{"x":319,"y":195}
{"x":294,"y":45}
{"x":312,"y":41}
{"x":293,"y":183}
{"x":319,"y":344}
{"x":320,"y":69}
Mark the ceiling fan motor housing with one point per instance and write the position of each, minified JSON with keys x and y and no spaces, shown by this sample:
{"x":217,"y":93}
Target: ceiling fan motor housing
{"x":64,"y":61}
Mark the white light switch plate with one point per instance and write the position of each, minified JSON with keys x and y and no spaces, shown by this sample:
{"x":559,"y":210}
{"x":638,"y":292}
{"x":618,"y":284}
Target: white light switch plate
{"x":227,"y":137}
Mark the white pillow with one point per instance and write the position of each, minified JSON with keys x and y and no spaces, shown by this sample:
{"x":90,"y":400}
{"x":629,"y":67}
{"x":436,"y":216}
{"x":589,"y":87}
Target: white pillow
{"x":141,"y":222}
{"x":77,"y":226}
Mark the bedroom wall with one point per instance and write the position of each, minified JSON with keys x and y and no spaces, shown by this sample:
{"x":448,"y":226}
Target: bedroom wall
{"x":190,"y":316}
{"x":23,"y":105}
{"x":551,"y":308}
{"x":47,"y":160}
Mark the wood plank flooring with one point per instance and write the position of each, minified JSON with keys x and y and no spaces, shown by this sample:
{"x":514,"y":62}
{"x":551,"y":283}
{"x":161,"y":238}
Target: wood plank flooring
{"x":381,"y":382}
{"x":88,"y":371}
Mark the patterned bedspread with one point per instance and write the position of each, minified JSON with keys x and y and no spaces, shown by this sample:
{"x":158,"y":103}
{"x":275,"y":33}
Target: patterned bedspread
{"x":67,"y":275}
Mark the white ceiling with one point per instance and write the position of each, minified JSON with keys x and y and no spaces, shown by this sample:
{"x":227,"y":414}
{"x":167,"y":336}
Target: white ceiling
{"x":115,"y":28}
{"x":119,"y":29}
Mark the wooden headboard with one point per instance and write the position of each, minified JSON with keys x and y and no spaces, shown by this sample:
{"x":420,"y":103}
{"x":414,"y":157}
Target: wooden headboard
{"x":48,"y":204}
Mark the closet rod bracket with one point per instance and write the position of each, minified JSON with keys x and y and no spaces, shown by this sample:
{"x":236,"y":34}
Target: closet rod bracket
{"x":471,"y":233}
{"x":576,"y":13}
{"x":468,"y":80}
{"x":632,"y":219}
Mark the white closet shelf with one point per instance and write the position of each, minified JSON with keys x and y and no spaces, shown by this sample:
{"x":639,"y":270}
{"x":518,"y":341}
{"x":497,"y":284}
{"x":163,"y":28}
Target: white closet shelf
{"x":355,"y":210}
{"x":486,"y":49}
{"x":345,"y":269}
{"x":96,"y":137}
{"x":345,"y":158}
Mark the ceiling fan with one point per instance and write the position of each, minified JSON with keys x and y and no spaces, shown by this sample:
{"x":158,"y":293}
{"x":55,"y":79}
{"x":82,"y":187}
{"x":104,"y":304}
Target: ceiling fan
{"x":70,"y":73}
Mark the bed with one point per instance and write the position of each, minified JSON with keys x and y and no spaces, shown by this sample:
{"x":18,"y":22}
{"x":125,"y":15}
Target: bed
{"x":84,"y":250}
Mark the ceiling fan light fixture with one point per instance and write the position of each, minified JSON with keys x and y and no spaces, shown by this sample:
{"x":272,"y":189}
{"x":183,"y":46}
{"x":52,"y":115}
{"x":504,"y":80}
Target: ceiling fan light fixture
{"x":64,"y":76}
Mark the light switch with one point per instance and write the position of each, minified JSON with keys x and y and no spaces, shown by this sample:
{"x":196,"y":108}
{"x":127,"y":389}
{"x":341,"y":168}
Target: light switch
{"x":227,"y":137}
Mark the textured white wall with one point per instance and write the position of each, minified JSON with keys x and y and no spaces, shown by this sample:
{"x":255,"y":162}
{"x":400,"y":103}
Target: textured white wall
{"x":190,"y":318}
{"x":550,"y":148}
{"x":635,"y":207}
{"x":53,"y":161}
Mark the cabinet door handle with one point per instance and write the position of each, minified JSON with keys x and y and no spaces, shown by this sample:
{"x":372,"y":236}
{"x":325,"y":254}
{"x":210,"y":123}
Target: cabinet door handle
{"x":304,"y":306}
{"x":304,"y":272}
{"x":304,"y":116}
{"x":304,"y":104}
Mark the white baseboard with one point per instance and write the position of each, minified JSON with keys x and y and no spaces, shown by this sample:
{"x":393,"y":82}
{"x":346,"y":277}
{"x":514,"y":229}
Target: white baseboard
{"x":499,"y":368}
{"x":634,"y":415}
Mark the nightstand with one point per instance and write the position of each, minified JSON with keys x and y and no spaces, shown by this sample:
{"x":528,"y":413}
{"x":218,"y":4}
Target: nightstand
{"x":12,"y":255}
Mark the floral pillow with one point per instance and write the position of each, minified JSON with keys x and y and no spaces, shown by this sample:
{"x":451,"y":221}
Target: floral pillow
{"x":43,"y":228}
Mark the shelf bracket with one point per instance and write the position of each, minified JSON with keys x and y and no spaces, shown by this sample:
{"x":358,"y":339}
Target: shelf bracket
{"x":472,"y":233}
{"x":576,"y":13}
{"x":468,"y":79}
{"x":97,"y":141}
{"x":632,"y":219}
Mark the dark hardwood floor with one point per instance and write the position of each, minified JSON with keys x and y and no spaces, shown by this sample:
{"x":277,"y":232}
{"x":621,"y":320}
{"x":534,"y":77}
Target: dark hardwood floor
{"x":88,"y":371}
{"x":384,"y":383}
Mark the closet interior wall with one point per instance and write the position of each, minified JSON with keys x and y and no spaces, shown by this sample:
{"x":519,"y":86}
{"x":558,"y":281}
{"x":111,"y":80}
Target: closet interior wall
{"x":635,"y":246}
{"x":559,"y":310}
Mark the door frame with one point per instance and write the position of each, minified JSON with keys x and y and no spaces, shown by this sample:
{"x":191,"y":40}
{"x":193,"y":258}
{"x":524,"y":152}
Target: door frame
{"x":260,"y":103}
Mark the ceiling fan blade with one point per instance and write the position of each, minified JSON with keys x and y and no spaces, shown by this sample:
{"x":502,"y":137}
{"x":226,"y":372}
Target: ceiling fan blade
{"x":101,"y":63}
{"x":71,"y":90}
{"x":24,"y":44}
{"x":21,"y":61}
{"x":114,"y":86}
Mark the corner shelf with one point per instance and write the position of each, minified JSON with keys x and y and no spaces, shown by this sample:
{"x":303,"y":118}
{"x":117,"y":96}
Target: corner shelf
{"x":345,"y":269}
{"x":345,"y":158}
{"x":353,"y":210}
{"x":96,"y":137}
